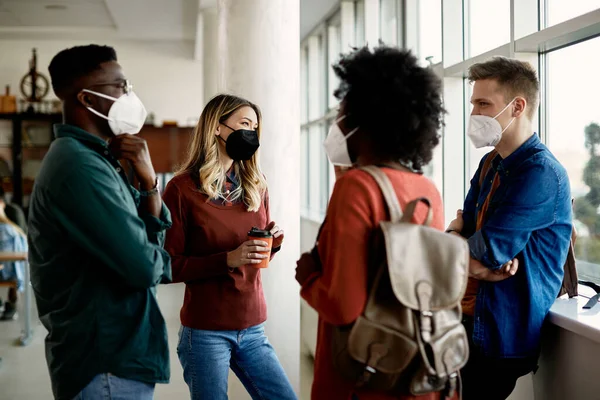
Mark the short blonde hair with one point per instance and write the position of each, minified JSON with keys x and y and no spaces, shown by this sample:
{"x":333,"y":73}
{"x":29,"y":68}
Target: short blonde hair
{"x":515,"y":77}
{"x":203,"y":158}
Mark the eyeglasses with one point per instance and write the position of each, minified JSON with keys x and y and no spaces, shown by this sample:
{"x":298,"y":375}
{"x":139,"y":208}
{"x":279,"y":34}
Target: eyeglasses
{"x":122,"y":84}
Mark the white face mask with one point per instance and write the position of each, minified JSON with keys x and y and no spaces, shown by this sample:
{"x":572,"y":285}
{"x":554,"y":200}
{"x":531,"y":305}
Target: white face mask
{"x":126,"y":115}
{"x":487,"y":131}
{"x":336,"y":146}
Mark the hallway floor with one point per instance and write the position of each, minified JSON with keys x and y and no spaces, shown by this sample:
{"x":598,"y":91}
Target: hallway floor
{"x":24,"y":375}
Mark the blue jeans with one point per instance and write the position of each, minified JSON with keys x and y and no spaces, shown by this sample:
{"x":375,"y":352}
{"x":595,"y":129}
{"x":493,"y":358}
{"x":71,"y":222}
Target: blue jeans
{"x":110,"y":387}
{"x":206,"y":357}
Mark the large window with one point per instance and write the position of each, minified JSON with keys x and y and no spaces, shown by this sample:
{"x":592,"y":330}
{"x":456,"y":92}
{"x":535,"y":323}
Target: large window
{"x":569,"y":116}
{"x":423,"y":35}
{"x":334,"y":48}
{"x":429,"y":32}
{"x":489,"y":25}
{"x":359,"y":23}
{"x":472,"y":155}
{"x":304,"y":172}
{"x":344,"y":29}
{"x":388,"y":22}
{"x":450,"y":36}
{"x":573,"y":135}
{"x":562,"y":10}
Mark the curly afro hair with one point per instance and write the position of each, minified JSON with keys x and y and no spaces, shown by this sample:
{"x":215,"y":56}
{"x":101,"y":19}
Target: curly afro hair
{"x":394,"y":101}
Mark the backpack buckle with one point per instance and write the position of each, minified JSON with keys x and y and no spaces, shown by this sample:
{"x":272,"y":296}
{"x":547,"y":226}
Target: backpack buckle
{"x":366,"y":376}
{"x":452,"y":384}
{"x":426,"y":318}
{"x":377,"y":352}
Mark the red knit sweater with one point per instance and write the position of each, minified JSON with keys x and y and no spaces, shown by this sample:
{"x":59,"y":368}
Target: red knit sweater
{"x":216,"y":297}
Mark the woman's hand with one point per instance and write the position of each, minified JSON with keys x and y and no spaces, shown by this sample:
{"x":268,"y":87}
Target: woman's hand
{"x":308,"y":264}
{"x":248,"y":253}
{"x":458,"y":223}
{"x":277,"y":233}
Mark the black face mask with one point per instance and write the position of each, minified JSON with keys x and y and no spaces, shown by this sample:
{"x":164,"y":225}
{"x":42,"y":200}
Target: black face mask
{"x":241,"y":144}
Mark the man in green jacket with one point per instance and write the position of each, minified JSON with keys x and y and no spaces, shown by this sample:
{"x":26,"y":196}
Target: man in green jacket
{"x":95,"y":241}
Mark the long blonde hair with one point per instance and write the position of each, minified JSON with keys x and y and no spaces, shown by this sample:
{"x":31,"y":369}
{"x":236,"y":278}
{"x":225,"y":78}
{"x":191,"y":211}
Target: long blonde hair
{"x":203,"y":160}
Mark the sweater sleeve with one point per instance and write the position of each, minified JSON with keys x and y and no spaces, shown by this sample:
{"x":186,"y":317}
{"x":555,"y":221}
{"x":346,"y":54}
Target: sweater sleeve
{"x":266,"y":204}
{"x":339,"y":292}
{"x":187,"y":268}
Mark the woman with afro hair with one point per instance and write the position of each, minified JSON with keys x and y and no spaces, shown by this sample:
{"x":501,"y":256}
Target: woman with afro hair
{"x":389,"y":116}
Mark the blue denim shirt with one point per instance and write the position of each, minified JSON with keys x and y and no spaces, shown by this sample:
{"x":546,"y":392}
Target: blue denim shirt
{"x":530,"y":218}
{"x":12,"y":241}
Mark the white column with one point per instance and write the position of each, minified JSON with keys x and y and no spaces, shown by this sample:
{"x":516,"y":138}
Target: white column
{"x":259,"y":59}
{"x":210,"y":52}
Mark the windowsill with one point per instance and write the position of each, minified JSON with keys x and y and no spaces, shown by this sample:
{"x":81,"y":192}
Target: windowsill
{"x":570,"y":315}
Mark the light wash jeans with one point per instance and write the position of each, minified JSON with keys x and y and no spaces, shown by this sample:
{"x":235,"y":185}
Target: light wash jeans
{"x":110,"y":387}
{"x":206,"y":357}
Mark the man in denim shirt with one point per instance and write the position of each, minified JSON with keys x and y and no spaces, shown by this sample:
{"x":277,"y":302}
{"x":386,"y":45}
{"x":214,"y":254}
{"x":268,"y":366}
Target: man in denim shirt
{"x":517,"y":220}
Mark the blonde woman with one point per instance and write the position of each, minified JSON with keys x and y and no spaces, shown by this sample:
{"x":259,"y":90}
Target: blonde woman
{"x":215,"y":199}
{"x":12,"y":239}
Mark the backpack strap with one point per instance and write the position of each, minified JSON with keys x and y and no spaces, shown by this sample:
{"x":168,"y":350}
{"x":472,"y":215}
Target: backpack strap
{"x":570,"y":281}
{"x":411,"y":207}
{"x":487,"y":164}
{"x":389,"y":194}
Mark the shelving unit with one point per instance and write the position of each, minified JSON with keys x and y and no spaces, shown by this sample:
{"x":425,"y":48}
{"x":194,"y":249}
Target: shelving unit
{"x":23,"y":148}
{"x":167,"y":146}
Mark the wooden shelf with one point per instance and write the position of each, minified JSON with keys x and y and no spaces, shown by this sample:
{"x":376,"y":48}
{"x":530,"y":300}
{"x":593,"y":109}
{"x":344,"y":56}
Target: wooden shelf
{"x":31,"y":117}
{"x":167,"y":145}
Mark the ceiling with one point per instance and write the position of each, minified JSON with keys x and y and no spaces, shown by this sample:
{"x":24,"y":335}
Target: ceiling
{"x":48,"y":13}
{"x":312,"y":13}
{"x":126,"y":19}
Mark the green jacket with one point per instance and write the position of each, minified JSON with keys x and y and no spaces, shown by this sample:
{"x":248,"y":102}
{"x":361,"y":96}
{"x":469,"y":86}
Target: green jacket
{"x":95,"y":262}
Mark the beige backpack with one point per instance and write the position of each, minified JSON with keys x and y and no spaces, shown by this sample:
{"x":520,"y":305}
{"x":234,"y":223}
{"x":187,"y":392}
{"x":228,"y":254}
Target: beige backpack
{"x":410,"y":338}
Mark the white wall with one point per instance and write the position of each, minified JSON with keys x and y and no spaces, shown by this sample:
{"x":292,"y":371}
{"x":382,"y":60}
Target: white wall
{"x":164,"y":74}
{"x":309,"y":319}
{"x":210,"y":52}
{"x":568,"y":367}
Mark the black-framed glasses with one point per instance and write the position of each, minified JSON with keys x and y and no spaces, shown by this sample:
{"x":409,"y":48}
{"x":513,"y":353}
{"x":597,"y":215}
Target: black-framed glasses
{"x":122,"y":84}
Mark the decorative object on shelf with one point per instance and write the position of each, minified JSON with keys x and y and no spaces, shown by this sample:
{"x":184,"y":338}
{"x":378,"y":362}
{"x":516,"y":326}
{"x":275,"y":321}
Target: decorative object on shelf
{"x":36,"y":134}
{"x":8,"y":102}
{"x":169,"y":123}
{"x":24,"y":141}
{"x":6,"y":133}
{"x":56,"y":107}
{"x":34,"y":85}
{"x":150,"y":119}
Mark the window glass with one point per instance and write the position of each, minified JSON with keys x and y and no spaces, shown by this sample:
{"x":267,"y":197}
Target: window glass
{"x":489,"y":25}
{"x":430,"y":30}
{"x":561,"y":10}
{"x":388,"y":22}
{"x":574,"y":138}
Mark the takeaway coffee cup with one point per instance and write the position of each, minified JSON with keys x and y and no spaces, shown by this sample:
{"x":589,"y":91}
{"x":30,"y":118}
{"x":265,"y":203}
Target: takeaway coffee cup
{"x":265,"y":236}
